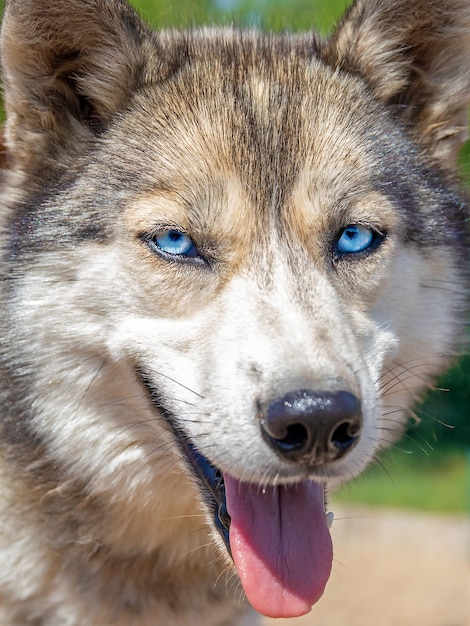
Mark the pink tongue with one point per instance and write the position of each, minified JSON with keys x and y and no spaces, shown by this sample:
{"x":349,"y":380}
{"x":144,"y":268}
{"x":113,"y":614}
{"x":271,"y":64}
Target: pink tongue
{"x":280,"y":544}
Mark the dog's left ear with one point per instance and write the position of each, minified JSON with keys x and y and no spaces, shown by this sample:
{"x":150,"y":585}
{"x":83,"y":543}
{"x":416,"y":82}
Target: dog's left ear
{"x":415,"y":55}
{"x":68,"y":67}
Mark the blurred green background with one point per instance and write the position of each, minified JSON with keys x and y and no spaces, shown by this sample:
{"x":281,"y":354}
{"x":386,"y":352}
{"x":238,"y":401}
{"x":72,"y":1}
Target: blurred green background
{"x":429,"y":467}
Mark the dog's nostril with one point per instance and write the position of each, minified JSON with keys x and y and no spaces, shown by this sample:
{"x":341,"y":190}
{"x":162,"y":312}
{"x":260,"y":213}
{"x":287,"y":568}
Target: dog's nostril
{"x":345,"y":435}
{"x":313,"y":427}
{"x":295,"y":438}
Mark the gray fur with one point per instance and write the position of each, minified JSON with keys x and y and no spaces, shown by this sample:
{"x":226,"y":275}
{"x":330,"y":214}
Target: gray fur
{"x":263,"y":148}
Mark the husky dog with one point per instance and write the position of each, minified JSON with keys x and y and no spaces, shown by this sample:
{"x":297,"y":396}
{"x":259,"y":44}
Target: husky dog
{"x":231,"y":261}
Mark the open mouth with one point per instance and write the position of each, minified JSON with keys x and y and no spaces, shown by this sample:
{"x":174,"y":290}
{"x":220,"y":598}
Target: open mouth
{"x":278,"y":536}
{"x":212,"y":480}
{"x":210,"y":477}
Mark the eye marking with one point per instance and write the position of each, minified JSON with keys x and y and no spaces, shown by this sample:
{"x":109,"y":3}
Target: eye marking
{"x":357,"y":238}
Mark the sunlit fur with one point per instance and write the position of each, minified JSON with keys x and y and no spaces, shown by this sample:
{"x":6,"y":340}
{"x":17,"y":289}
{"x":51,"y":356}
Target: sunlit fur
{"x":262,"y":148}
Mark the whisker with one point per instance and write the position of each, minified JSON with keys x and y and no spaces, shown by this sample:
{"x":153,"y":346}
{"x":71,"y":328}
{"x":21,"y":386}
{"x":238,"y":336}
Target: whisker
{"x":89,"y":386}
{"x":173,"y":380}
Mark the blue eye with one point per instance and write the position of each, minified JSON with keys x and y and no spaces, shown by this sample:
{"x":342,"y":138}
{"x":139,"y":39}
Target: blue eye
{"x":175,"y":242}
{"x":355,"y":238}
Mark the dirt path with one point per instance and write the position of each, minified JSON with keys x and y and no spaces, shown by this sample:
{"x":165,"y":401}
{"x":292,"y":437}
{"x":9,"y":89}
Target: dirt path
{"x":395,"y":569}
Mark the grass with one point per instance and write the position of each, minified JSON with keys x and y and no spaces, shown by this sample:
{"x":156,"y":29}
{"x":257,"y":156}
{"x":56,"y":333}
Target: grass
{"x":270,"y":14}
{"x":439,"y":483}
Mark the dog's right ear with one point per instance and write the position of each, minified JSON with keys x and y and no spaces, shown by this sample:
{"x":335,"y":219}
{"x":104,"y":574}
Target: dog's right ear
{"x":68,"y":67}
{"x":415,"y":56}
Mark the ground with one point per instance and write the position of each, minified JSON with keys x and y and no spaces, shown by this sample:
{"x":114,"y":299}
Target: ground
{"x":395,"y":569}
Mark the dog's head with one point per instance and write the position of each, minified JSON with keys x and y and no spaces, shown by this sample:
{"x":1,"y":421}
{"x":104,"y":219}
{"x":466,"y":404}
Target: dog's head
{"x":252,"y":236}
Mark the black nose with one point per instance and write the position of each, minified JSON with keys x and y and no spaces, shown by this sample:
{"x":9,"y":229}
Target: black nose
{"x":313,"y":427}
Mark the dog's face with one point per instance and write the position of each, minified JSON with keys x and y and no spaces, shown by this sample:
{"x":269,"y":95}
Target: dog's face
{"x":257,"y":267}
{"x":257,"y":248}
{"x":264,"y":252}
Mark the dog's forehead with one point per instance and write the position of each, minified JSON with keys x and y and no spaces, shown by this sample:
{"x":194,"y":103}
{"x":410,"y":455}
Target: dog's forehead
{"x":261,"y":127}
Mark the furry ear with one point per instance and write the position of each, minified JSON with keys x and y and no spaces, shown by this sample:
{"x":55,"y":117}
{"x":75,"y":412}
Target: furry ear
{"x":414,"y":54}
{"x":68,"y":67}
